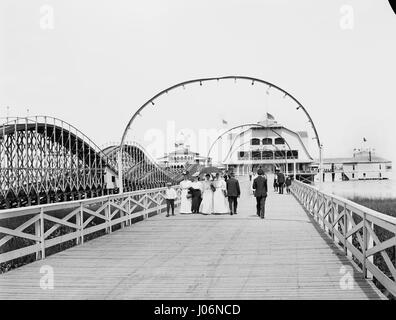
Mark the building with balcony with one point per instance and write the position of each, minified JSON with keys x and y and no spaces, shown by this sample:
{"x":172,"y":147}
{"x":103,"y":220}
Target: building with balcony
{"x":269,"y":146}
{"x":181,"y":157}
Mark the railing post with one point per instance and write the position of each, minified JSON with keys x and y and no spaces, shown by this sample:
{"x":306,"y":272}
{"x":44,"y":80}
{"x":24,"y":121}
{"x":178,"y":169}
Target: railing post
{"x":159,"y":198}
{"x":39,"y":229}
{"x":80,"y":223}
{"x":315,"y":207}
{"x":348,"y":226}
{"x":325,"y":217}
{"x":345,"y":229}
{"x":37,"y":232}
{"x":108,"y":216}
{"x":122,"y":214}
{"x":129,"y":221}
{"x":368,"y":243}
{"x":364,"y":249}
{"x":332,"y":215}
{"x":145,"y":205}
{"x":322,"y":210}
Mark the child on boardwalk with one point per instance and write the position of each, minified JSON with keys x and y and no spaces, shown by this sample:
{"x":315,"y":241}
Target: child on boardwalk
{"x":170,"y":196}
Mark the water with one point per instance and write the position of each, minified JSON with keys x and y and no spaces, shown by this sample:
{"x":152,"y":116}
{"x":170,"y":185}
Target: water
{"x":379,"y":189}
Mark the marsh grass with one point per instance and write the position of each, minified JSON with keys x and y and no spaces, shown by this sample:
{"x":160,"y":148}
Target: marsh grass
{"x":386,"y":206}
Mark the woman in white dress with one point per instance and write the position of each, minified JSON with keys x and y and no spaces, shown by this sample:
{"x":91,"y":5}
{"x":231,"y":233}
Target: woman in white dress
{"x":220,"y":204}
{"x":206,"y":206}
{"x":185,"y":199}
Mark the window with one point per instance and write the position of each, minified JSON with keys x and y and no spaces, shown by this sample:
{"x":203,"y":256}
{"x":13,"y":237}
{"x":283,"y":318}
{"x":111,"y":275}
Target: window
{"x":255,"y":142}
{"x":364,"y":175}
{"x":243,"y":155}
{"x":267,"y":155}
{"x":280,"y":154}
{"x":279,"y":141}
{"x":293,"y":154}
{"x":353,"y":175}
{"x":256,"y":155}
{"x":267,"y":141}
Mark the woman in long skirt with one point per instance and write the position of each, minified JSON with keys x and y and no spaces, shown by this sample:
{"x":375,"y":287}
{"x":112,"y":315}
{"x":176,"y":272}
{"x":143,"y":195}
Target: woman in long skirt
{"x":185,"y":198}
{"x":220,"y":204}
{"x":206,"y":206}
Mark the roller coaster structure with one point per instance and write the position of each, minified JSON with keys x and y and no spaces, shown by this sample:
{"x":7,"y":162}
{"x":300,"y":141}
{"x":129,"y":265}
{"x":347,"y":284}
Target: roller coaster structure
{"x":44,"y":160}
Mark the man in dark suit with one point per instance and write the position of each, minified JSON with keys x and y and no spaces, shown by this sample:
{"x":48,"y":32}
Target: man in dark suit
{"x":281,"y":181}
{"x":233,"y":193}
{"x":226,"y":176}
{"x":260,"y":187}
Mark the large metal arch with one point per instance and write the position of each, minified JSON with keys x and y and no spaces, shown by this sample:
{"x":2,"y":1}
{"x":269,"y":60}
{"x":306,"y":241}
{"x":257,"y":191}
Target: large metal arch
{"x":202,"y":80}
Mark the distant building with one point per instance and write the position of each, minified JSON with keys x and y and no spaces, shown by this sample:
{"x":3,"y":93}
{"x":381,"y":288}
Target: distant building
{"x":269,"y":146}
{"x":181,"y":157}
{"x":364,"y":165}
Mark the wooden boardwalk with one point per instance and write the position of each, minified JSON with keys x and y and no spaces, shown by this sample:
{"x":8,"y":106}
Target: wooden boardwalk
{"x":202,"y":257}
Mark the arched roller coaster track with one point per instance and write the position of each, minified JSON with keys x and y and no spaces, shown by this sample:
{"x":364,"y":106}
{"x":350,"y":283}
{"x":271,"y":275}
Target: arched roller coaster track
{"x":44,"y":159}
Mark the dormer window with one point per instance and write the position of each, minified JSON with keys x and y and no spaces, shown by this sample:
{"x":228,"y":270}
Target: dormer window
{"x":267,"y":141}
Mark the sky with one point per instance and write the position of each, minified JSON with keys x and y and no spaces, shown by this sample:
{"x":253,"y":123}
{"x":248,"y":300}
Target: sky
{"x":93,"y":63}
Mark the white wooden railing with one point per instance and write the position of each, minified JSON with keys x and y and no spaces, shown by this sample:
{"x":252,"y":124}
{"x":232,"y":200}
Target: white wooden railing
{"x":38,"y":224}
{"x":356,"y":229}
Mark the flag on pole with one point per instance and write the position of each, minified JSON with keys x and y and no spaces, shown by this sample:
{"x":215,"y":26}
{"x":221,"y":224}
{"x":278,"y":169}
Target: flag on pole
{"x":364,"y":139}
{"x":224,"y":121}
{"x":270,"y":116}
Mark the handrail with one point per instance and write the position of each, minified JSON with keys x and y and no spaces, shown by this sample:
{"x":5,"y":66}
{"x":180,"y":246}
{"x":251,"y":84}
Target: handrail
{"x":363,"y":233}
{"x":369,"y":211}
{"x":36,"y":225}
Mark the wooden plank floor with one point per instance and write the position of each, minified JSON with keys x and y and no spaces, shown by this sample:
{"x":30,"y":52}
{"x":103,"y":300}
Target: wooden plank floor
{"x":201,"y":257}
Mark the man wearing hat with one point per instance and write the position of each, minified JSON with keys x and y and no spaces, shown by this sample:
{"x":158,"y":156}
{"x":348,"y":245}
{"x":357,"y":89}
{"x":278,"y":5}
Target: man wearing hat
{"x":260,"y":187}
{"x":170,"y":197}
{"x":196,"y":188}
{"x":233,"y":193}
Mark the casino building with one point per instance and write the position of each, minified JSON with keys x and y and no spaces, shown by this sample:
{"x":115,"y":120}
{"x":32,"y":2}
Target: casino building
{"x":270,"y":146}
{"x":181,"y":157}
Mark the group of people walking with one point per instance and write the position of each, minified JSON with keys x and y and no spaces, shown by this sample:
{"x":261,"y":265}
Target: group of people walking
{"x":218,"y":194}
{"x":281,"y":181}
{"x":213,"y":195}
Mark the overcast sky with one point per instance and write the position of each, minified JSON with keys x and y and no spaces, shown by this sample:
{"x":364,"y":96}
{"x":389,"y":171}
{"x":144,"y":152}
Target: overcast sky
{"x":98,"y":61}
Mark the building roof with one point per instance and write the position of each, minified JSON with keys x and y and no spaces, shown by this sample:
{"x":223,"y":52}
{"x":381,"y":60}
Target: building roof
{"x":303,"y":134}
{"x":183,"y":151}
{"x":355,"y":160}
